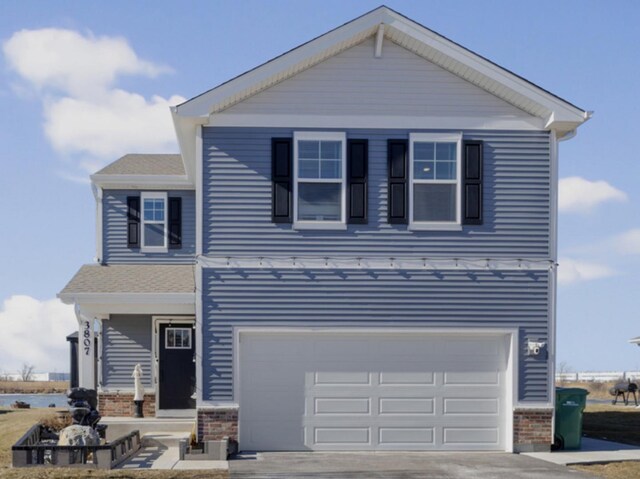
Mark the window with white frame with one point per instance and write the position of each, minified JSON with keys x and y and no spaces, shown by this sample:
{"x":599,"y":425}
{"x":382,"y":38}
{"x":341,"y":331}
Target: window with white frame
{"x":154,"y":221}
{"x":177,"y":338}
{"x":434,"y":180}
{"x":319,"y":179}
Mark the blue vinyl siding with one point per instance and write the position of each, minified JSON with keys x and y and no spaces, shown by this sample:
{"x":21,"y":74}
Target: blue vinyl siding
{"x":126,"y":341}
{"x":372,"y":298}
{"x":114,"y":231}
{"x":237,"y":201}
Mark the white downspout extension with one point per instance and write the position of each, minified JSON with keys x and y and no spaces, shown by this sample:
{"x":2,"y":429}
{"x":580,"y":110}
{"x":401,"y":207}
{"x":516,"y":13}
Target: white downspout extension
{"x":86,"y":350}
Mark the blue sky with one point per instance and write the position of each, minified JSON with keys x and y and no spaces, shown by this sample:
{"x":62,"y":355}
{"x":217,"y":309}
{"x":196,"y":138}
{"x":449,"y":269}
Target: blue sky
{"x":66,"y":110}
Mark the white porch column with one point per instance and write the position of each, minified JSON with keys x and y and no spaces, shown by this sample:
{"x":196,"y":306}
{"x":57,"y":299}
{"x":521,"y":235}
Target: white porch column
{"x":86,"y":350}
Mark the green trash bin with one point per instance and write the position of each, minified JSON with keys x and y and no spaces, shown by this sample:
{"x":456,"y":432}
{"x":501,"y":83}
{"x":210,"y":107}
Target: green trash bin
{"x":570,"y":404}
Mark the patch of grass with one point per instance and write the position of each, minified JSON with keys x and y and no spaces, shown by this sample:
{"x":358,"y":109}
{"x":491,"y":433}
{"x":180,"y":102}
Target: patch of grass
{"x":614,"y":423}
{"x":613,"y":470}
{"x":33,"y":387}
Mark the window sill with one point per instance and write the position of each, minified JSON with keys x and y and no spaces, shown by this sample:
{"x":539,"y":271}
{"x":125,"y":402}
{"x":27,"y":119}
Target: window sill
{"x":328,"y":225}
{"x":154,"y":249}
{"x":435,"y":227}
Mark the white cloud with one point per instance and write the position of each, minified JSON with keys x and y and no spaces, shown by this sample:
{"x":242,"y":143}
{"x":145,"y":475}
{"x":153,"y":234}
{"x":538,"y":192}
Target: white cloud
{"x":86,"y":118}
{"x":34,"y":332}
{"x":573,"y":271}
{"x":579,"y":195}
{"x":628,"y":243}
{"x":120,"y":123}
{"x":75,"y":64}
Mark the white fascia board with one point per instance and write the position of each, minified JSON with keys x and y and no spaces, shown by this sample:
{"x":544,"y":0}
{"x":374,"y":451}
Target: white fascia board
{"x":376,"y":121}
{"x":563,"y":110}
{"x":333,"y":42}
{"x":128,"y":298}
{"x":324,"y":46}
{"x":186,"y":128}
{"x":154,"y":182}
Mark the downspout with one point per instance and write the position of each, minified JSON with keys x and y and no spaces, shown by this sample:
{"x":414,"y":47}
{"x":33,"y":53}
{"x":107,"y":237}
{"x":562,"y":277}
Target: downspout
{"x":97,"y":194}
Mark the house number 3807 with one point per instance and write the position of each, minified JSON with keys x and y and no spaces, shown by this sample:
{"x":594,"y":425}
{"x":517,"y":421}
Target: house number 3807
{"x":86,"y":334}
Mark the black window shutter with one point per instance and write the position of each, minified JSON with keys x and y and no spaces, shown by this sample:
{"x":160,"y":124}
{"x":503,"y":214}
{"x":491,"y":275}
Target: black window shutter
{"x":398,"y":211}
{"x":281,"y":180}
{"x":133,"y":221}
{"x":175,"y":223}
{"x":472,"y":183}
{"x":357,"y":166}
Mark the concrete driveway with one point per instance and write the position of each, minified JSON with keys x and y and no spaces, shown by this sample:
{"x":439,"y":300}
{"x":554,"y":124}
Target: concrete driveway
{"x":272,"y":465}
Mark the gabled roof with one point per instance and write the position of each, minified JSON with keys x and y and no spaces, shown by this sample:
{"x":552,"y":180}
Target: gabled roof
{"x":144,"y":171}
{"x":129,"y":279}
{"x":145,"y":164}
{"x":558,"y":114}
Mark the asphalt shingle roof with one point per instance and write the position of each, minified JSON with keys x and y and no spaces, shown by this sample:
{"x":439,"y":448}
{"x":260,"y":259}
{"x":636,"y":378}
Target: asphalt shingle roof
{"x":147,"y":164}
{"x":132,"y":278}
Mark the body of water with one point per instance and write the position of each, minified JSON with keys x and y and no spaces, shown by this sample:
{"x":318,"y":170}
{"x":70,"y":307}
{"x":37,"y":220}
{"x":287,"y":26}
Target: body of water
{"x":36,"y":400}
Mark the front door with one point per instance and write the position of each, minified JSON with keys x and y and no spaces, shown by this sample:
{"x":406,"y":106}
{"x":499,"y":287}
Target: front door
{"x":177,"y":368}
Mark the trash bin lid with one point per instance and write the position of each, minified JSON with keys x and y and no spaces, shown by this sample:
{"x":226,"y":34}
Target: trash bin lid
{"x":571,"y":391}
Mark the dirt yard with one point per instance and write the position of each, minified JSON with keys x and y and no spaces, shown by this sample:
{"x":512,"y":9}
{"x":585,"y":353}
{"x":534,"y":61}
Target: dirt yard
{"x":33,"y":387}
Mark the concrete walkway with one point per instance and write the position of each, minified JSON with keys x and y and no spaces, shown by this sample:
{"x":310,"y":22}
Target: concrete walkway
{"x":592,"y":451}
{"x":160,"y":451}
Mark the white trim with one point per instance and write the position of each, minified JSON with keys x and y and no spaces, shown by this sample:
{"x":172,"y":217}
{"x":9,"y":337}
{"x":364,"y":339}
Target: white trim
{"x":128,"y":298}
{"x":383,"y":263}
{"x":199,"y":186}
{"x":553,"y":253}
{"x":436,"y":138}
{"x":379,"y":41}
{"x":200,"y":335}
{"x":511,"y":370}
{"x":154,"y":195}
{"x":117,"y":390}
{"x":156,"y":320}
{"x":501,"y":82}
{"x":100,"y":350}
{"x":138,"y":182}
{"x":375,"y":121}
{"x":321,"y":136}
{"x":97,"y":194}
{"x":217,"y":405}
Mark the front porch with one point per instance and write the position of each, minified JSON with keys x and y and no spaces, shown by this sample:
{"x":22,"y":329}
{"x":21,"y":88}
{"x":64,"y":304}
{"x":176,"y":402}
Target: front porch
{"x":138,"y":314}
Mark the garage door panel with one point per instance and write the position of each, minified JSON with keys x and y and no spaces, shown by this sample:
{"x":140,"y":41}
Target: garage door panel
{"x":406,"y":436}
{"x":469,"y":436}
{"x":342,"y":378}
{"x":342,"y":406}
{"x":400,"y":378}
{"x":472,"y":377}
{"x":475,"y":405}
{"x":412,"y":406}
{"x":431,"y":394}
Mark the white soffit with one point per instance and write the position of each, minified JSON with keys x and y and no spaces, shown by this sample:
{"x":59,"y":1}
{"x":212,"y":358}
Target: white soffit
{"x":558,"y":113}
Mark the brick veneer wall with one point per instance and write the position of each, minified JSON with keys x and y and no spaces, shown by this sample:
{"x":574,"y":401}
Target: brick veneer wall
{"x":121,"y":404}
{"x":217,"y":423}
{"x":532,"y":430}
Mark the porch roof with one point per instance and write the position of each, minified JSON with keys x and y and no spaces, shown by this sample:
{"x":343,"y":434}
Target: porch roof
{"x":145,"y":164}
{"x":130,"y":280}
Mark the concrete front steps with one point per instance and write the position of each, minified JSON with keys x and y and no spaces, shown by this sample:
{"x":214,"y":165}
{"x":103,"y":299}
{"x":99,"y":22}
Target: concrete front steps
{"x":119,"y":426}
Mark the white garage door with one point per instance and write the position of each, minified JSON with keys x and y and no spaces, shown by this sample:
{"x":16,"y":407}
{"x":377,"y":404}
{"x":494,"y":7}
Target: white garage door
{"x":330,"y":391}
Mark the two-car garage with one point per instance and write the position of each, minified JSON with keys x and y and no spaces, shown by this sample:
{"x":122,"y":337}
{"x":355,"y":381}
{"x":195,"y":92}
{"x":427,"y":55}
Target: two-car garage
{"x":378,"y":390}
